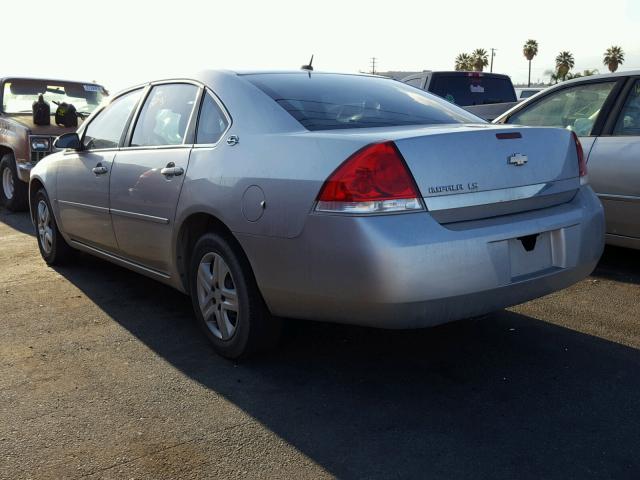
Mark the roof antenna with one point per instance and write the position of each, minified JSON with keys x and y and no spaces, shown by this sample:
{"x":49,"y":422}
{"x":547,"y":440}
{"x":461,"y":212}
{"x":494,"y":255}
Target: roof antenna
{"x":308,"y":67}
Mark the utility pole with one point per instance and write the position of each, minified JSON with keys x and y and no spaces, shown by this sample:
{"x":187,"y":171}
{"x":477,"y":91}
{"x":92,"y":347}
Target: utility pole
{"x":373,"y":65}
{"x":493,"y":52}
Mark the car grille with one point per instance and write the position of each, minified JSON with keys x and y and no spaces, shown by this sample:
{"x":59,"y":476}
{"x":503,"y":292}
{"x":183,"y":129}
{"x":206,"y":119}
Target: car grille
{"x":37,"y":156}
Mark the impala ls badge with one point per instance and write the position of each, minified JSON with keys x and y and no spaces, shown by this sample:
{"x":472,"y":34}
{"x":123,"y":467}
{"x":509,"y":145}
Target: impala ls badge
{"x":518,"y":159}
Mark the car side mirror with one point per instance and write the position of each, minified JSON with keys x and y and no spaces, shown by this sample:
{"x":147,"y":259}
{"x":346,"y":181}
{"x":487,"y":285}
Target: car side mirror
{"x":68,"y":140}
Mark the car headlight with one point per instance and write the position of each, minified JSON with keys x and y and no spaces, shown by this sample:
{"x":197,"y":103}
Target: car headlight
{"x":40,"y":144}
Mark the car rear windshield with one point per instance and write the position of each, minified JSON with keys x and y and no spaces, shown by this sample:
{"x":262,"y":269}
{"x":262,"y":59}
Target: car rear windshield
{"x":472,"y":89}
{"x":321,"y":101}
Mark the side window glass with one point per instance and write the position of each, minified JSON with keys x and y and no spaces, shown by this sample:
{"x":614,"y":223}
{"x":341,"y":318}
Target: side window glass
{"x":629,"y":120}
{"x":106,"y":129}
{"x":165,"y":115}
{"x":414,"y":82}
{"x":575,"y":108}
{"x":212,"y":123}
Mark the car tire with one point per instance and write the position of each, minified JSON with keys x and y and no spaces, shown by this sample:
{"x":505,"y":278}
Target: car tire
{"x":226,"y":300}
{"x":53,"y":247}
{"x":13,"y":191}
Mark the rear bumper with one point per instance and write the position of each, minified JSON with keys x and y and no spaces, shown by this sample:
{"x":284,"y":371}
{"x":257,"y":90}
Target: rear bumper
{"x":408,"y":271}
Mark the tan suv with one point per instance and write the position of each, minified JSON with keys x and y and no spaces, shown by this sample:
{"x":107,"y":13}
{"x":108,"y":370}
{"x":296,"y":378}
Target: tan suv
{"x":23,"y":142}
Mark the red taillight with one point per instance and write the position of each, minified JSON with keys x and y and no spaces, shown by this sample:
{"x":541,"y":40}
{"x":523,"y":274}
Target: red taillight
{"x":372,"y":180}
{"x":582,"y":163}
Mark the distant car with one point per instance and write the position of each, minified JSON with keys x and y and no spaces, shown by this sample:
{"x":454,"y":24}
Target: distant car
{"x":486,"y":95}
{"x":24,"y":143}
{"x":524,"y":93}
{"x":604,"y":111}
{"x":346,"y":198}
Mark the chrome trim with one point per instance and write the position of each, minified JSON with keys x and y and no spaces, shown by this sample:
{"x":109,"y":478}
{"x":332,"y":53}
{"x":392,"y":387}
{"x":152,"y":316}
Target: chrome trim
{"x":115,"y":211}
{"x":115,"y":258}
{"x":623,"y":198}
{"x":69,"y":151}
{"x":93,"y":208}
{"x":153,"y":147}
{"x":472,"y":199}
{"x":139,"y":216}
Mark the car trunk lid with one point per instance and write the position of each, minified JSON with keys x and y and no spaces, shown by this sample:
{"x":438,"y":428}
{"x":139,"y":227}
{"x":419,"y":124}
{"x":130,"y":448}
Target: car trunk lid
{"x":472,"y":173}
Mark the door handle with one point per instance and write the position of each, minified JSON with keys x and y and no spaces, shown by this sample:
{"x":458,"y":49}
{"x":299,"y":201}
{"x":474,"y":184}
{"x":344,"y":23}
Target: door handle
{"x":171,"y":170}
{"x":99,"y":169}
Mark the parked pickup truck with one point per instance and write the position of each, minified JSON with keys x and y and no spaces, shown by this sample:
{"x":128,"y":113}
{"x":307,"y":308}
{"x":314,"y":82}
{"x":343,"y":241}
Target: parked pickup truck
{"x":486,"y":95}
{"x":26,"y":136}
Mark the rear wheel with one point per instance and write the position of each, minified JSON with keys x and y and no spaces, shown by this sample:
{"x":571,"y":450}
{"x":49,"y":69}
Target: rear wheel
{"x":226,"y":299}
{"x":13,"y":191}
{"x":53,"y":247}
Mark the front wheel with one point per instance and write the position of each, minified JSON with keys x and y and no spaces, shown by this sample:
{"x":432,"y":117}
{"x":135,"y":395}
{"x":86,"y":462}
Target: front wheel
{"x":226,"y":300}
{"x":53,"y":247}
{"x":13,"y":191}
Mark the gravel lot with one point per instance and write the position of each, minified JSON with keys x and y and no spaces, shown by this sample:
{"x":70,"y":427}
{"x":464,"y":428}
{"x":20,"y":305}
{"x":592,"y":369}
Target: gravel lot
{"x":103,"y":374}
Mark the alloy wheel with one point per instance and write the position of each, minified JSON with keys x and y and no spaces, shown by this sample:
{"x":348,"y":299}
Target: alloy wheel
{"x":45,"y":230}
{"x":217,"y":296}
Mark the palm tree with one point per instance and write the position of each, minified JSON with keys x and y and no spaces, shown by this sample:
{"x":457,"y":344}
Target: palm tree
{"x":613,"y":57}
{"x":530,"y":50}
{"x":463,"y":62}
{"x":564,"y":63}
{"x":480,"y":59}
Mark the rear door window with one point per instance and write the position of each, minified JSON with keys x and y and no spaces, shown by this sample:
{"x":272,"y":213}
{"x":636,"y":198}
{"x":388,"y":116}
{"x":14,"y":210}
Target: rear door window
{"x":472,"y":89}
{"x":574,"y":108}
{"x":165,"y":115}
{"x":629,"y":120}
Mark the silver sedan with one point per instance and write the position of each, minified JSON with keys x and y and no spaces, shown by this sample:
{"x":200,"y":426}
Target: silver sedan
{"x":344,"y":198}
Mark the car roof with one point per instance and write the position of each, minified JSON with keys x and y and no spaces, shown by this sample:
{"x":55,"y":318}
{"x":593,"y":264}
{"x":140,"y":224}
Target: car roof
{"x":629,"y":73}
{"x":466,"y":73}
{"x":298,"y":72}
{"x":45,"y":79}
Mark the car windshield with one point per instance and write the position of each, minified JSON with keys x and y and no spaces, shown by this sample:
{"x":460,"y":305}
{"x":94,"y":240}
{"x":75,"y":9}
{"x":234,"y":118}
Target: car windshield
{"x":19,"y":94}
{"x":321,"y":101}
{"x":473,"y":88}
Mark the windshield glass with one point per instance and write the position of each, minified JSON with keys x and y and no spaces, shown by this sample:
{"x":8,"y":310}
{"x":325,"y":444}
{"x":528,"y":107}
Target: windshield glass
{"x":473,"y":89}
{"x":321,"y":101}
{"x":18,"y":95}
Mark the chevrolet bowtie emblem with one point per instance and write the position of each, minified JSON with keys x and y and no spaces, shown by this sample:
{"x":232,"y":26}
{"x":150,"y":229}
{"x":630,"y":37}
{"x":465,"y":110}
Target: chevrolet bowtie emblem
{"x":518,"y":159}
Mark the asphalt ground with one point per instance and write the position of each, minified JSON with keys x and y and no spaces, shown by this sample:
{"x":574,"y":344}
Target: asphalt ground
{"x":104,"y":374}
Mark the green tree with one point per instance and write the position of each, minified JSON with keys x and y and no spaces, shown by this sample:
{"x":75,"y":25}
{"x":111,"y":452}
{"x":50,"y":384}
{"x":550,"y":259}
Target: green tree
{"x":464,"y":62}
{"x":613,"y":57}
{"x":480,"y":59}
{"x":530,"y":50}
{"x":564,"y":63}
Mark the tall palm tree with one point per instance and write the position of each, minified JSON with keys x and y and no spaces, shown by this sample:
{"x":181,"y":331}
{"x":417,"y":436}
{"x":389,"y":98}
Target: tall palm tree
{"x":613,"y":57}
{"x":479,"y":59}
{"x":564,"y":63}
{"x":530,"y":50}
{"x":464,"y":62}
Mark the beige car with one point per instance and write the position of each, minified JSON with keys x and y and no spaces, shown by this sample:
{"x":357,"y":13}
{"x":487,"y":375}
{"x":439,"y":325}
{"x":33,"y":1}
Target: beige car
{"x":604,"y":111}
{"x":23,"y":143}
